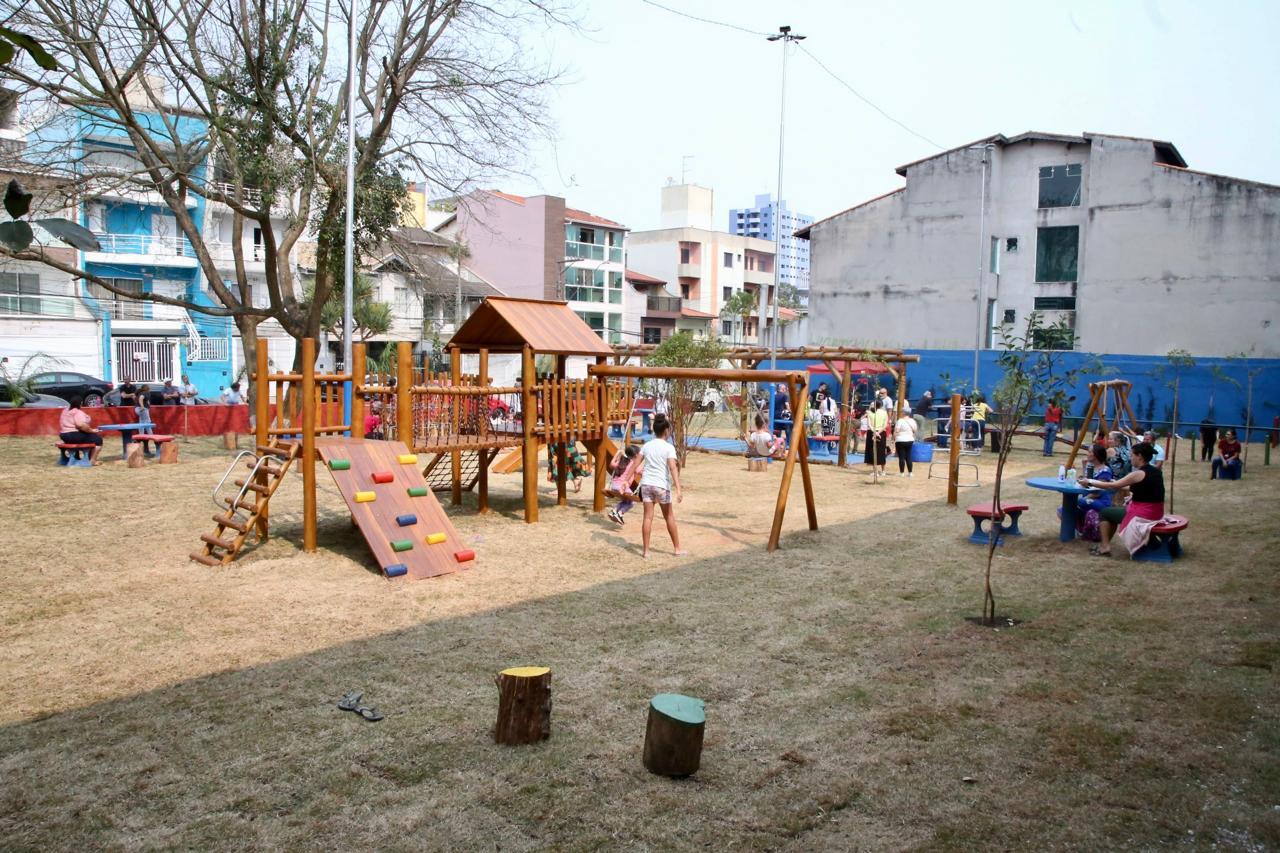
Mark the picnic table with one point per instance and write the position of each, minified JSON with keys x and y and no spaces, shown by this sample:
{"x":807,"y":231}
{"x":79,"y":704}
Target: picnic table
{"x":126,"y":434}
{"x":1070,"y":492}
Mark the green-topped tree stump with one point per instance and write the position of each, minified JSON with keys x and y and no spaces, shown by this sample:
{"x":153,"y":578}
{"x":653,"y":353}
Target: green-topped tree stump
{"x":673,"y":736}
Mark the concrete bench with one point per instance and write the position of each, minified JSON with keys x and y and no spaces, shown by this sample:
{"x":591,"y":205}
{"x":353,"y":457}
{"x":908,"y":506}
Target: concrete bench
{"x":986,"y":512}
{"x":69,"y":454}
{"x":1163,"y":546}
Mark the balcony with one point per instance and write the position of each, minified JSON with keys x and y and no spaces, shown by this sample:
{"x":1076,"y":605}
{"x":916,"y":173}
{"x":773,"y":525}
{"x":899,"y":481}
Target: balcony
{"x":757,"y":277}
{"x":143,"y":249}
{"x":252,"y":195}
{"x":223,"y":255}
{"x":663,"y":306}
{"x":689,"y":270}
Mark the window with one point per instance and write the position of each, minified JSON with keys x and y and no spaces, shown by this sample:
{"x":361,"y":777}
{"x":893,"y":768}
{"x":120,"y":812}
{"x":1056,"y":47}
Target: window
{"x":1010,"y":317}
{"x":594,"y":319}
{"x":1053,"y":338}
{"x":1011,"y":244}
{"x":613,"y":326}
{"x":402,"y":306}
{"x":1060,"y":186}
{"x":995,"y":255}
{"x":728,"y":260}
{"x":1055,"y":303}
{"x":20,"y":294}
{"x":728,"y":293}
{"x":119,"y":307}
{"x":726,"y":328}
{"x":652,"y":335}
{"x":684,"y":254}
{"x":1057,"y":250}
{"x":586,"y":285}
{"x":615,"y":287}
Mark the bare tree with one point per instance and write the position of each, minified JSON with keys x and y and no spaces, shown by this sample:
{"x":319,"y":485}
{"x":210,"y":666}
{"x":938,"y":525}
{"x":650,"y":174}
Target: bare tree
{"x":242,"y":104}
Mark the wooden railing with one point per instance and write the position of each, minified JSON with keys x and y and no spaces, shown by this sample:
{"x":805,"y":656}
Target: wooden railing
{"x":569,"y":410}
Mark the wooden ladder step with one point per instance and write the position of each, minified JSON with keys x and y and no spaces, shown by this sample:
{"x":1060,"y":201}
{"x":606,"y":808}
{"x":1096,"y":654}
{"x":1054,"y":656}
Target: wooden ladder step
{"x":247,"y":505}
{"x":254,"y":487}
{"x":274,"y":471}
{"x":205,"y":558}
{"x":233,"y":523}
{"x":282,"y":452}
{"x":220,"y":543}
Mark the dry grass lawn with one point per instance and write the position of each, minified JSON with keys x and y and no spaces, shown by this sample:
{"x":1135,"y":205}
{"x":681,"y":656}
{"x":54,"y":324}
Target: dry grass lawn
{"x":156,"y":703}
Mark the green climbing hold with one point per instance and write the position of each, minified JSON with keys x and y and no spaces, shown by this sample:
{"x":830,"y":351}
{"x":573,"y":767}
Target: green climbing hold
{"x":401,"y":544}
{"x":682,"y":709}
{"x":339,"y":464}
{"x":417,"y":491}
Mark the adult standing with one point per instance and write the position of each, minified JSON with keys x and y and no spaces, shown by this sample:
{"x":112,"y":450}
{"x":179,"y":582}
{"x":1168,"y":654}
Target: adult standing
{"x":828,"y":410}
{"x":1146,"y":485}
{"x":1052,"y":424}
{"x":877,"y":424}
{"x":169,"y":393}
{"x":659,"y":478}
{"x":904,"y":439}
{"x":233,"y":397}
{"x":74,"y":427}
{"x":187,"y":392}
{"x":1208,"y":437}
{"x":128,"y":393}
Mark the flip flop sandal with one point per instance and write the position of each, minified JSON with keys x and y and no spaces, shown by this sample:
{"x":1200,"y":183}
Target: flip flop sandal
{"x":1101,"y":553}
{"x":370,"y":714}
{"x":350,"y":701}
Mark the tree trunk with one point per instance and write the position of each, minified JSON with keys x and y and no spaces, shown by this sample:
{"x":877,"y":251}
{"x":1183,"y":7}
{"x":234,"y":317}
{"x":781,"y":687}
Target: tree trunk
{"x":248,"y":329}
{"x":524,"y":705}
{"x":673,"y":735}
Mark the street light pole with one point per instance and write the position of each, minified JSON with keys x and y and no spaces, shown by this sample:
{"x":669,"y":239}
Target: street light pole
{"x":349,"y":274}
{"x":982,"y":261}
{"x":785,"y":36}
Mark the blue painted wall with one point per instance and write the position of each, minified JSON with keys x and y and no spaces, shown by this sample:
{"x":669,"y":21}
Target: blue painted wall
{"x":1150,"y":397}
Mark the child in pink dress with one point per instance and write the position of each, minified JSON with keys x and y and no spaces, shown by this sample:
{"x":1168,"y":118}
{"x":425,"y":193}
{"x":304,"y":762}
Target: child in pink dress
{"x":624,"y":465}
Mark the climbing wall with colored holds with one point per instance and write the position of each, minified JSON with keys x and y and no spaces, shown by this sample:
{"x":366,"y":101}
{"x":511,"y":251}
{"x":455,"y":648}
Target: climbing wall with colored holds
{"x":406,"y":528}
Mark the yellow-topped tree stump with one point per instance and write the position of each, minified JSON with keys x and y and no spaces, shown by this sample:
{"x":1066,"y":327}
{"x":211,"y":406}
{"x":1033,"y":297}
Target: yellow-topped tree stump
{"x":524,"y":705}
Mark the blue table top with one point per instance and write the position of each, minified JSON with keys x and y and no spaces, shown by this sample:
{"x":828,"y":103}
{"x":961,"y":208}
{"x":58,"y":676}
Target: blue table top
{"x":1053,"y":484}
{"x":123,"y":426}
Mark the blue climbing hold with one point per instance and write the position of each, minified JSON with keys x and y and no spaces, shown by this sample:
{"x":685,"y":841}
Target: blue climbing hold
{"x":406,"y":520}
{"x":397,"y":570}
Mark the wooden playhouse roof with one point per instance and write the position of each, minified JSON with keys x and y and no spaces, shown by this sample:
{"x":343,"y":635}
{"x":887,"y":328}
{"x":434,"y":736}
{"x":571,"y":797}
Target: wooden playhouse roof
{"x":508,"y":324}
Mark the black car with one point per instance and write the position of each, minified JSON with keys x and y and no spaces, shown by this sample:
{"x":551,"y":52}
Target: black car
{"x":66,"y":385}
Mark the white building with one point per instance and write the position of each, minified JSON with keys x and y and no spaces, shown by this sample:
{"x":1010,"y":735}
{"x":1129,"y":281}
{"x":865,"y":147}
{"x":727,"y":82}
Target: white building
{"x":1112,"y":235}
{"x":702,"y":267}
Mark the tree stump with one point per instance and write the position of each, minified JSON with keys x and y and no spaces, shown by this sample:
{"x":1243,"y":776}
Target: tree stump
{"x":673,"y":736}
{"x":231,"y":441}
{"x":169,"y":453}
{"x":524,"y":705}
{"x":757,"y":463}
{"x":133,"y":455}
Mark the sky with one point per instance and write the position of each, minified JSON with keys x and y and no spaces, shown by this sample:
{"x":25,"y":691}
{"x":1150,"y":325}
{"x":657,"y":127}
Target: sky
{"x":650,"y":96}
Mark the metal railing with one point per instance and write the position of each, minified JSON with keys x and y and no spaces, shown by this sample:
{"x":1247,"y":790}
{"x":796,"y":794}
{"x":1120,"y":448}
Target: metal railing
{"x":146,"y":244}
{"x":252,"y":195}
{"x":670,"y":304}
{"x":222,"y":251}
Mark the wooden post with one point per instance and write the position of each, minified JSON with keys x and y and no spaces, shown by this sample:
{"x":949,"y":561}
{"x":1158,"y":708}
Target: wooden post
{"x":230,"y":440}
{"x":524,"y":705}
{"x":309,"y":444}
{"x":528,"y":418}
{"x":810,"y":506}
{"x":902,"y":386}
{"x":404,"y":394}
{"x":484,"y":457}
{"x":797,"y":435}
{"x":555,"y":410}
{"x":846,"y":390}
{"x":262,"y":423}
{"x":953,"y":459}
{"x":456,"y":403}
{"x":1082,"y":432}
{"x":357,"y":390}
{"x":673,"y":735}
{"x":483,"y":378}
{"x":168,"y":453}
{"x":602,"y":439}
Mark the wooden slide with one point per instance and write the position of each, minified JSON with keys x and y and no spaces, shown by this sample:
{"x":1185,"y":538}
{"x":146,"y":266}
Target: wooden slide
{"x":394,"y":507}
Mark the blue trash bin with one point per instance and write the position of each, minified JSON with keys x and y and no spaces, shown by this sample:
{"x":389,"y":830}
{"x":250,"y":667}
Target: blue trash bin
{"x":921,"y":451}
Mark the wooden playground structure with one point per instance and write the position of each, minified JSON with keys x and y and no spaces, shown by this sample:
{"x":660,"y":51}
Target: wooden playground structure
{"x":452,"y":422}
{"x":1109,"y":403}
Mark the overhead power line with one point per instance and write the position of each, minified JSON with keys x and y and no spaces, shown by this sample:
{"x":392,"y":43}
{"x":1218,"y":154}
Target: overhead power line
{"x":807,"y":53}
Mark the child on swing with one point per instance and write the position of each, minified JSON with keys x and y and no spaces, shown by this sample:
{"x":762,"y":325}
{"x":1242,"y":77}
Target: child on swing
{"x":624,"y":466}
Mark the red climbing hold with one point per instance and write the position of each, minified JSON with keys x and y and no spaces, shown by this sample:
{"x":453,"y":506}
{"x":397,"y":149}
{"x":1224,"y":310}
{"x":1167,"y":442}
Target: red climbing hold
{"x":383,"y":477}
{"x":464,"y":556}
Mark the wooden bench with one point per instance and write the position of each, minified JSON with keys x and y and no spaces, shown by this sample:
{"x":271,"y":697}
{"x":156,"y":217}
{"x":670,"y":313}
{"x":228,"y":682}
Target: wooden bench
{"x":986,"y":512}
{"x":69,"y":454}
{"x":1163,"y":546}
{"x":168,"y":450}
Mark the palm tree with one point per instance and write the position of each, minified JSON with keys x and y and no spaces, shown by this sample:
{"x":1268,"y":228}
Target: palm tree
{"x":742,"y":304}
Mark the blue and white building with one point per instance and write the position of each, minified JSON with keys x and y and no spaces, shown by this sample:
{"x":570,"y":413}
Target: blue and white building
{"x":90,"y":329}
{"x":766,"y":220}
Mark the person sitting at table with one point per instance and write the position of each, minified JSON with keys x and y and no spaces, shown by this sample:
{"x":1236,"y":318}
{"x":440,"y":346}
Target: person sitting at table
{"x":1088,"y":518}
{"x":1228,"y":459}
{"x":74,"y":427}
{"x":143,"y":412}
{"x":1146,"y":484}
{"x":1118,"y":455}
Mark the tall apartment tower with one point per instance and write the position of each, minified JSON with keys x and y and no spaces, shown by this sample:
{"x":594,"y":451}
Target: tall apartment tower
{"x":765,"y":221}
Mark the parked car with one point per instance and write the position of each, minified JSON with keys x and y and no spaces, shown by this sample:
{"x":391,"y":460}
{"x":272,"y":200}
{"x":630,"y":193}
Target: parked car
{"x":65,"y":384}
{"x":32,"y":401}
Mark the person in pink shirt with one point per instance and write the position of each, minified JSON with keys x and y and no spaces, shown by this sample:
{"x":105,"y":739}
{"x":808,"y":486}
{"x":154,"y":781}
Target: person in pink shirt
{"x":74,"y":427}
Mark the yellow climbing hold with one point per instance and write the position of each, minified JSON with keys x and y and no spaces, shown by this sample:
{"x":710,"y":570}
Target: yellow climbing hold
{"x":366,"y":497}
{"x":435,"y":538}
{"x":407,"y":458}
